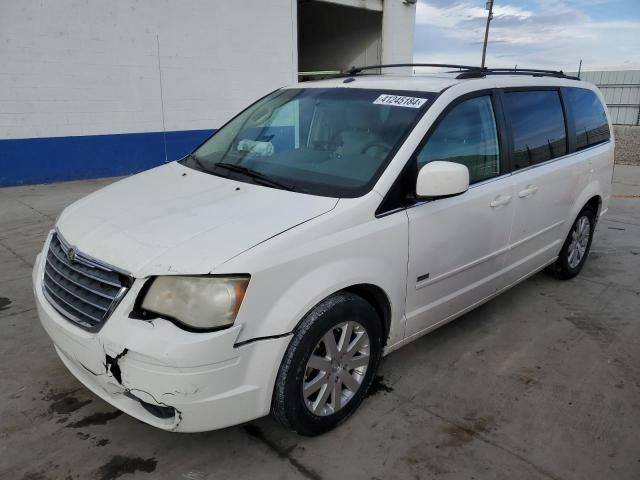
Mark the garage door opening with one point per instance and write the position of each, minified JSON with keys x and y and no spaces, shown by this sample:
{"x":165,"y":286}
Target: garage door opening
{"x":334,"y":37}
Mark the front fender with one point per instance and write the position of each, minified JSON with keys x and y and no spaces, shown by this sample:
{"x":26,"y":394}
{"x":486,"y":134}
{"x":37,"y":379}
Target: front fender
{"x":314,"y":286}
{"x":294,"y":272}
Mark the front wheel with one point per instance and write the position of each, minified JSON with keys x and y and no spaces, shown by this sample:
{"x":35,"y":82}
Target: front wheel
{"x":329,"y":365}
{"x":576,"y":247}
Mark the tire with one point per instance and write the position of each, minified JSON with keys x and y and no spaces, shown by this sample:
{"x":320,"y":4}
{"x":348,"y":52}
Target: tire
{"x":571,"y":258}
{"x":339,"y":315}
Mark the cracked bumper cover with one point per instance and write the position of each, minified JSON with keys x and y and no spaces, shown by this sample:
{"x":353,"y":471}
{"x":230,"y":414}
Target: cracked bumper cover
{"x":208,"y":382}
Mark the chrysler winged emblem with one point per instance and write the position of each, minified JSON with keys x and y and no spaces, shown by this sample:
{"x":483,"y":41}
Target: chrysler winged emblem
{"x":71,"y":255}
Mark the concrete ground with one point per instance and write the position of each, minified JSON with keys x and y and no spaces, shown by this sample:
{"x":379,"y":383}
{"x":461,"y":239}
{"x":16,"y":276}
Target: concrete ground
{"x":541,"y":383}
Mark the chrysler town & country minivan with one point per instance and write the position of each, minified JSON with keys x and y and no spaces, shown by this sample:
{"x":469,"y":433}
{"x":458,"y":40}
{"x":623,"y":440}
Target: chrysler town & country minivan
{"x":323,"y":227}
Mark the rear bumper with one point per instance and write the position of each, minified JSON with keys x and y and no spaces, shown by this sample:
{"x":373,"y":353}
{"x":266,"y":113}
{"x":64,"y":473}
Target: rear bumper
{"x":162,"y":375}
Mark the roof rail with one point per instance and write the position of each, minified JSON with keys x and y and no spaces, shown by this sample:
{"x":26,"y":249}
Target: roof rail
{"x":516,"y":71}
{"x":357,"y":70}
{"x":469,"y":71}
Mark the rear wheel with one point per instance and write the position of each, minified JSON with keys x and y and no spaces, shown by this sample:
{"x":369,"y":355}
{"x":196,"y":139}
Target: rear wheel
{"x":329,"y":365}
{"x":576,"y":247}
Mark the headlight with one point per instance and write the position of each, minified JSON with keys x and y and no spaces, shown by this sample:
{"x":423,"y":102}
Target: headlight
{"x":197,"y":302}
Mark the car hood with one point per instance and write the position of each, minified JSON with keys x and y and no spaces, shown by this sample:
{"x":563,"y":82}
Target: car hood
{"x":173,"y":220}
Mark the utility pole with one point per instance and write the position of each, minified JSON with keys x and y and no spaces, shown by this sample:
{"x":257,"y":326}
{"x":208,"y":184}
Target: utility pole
{"x":489,"y":7}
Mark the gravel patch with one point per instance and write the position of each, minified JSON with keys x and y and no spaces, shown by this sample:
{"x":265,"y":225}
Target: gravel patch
{"x":627,"y":144}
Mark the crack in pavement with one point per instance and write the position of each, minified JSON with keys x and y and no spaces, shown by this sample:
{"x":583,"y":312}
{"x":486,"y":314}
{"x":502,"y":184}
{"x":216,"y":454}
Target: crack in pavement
{"x":34,"y":209}
{"x":17,"y":255}
{"x":476,"y":434}
{"x":484,"y":439}
{"x":622,"y":222}
{"x":284,"y":453}
{"x":13,"y":314}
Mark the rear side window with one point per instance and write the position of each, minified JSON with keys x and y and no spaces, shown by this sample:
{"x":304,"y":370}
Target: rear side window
{"x":537,"y":124}
{"x":589,"y":117}
{"x":466,"y":135}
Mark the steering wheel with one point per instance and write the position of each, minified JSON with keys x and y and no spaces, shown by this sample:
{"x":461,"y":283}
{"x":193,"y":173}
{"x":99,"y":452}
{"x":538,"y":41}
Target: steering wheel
{"x":375,"y":143}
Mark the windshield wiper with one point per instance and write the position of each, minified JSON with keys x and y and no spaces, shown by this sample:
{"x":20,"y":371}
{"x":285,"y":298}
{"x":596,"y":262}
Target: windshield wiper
{"x":253,"y":174}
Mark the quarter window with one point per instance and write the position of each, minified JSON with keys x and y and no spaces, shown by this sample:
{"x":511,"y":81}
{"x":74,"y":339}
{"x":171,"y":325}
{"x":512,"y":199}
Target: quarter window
{"x":589,"y":117}
{"x":466,"y":135}
{"x":537,"y":124}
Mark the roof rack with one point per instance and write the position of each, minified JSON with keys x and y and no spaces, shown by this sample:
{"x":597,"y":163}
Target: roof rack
{"x":534,"y":72}
{"x":357,"y":70}
{"x":469,"y":71}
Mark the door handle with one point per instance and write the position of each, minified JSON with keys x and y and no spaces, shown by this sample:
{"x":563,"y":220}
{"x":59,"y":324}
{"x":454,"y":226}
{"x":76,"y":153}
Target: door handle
{"x":528,"y":191}
{"x":500,"y":200}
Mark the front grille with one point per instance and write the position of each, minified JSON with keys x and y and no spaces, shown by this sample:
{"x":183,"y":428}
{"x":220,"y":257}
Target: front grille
{"x":81,"y":289}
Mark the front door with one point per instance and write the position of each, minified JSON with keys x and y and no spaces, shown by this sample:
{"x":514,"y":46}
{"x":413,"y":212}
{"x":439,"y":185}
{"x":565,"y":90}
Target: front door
{"x":457,"y":245}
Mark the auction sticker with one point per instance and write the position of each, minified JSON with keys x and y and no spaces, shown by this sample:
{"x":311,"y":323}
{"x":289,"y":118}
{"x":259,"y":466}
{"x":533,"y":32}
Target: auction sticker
{"x":400,"y":101}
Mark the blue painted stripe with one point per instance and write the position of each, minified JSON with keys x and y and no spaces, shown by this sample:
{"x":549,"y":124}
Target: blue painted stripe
{"x":42,"y":160}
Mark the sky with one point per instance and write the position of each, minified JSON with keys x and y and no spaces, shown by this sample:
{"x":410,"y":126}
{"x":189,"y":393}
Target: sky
{"x":534,"y":34}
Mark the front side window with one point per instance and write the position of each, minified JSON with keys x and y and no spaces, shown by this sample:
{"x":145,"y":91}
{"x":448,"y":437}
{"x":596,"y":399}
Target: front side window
{"x":466,"y":135}
{"x":537,"y":123}
{"x":322,"y":141}
{"x":590,"y":119}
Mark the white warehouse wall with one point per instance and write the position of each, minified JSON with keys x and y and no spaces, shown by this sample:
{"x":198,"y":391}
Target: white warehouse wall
{"x":91,"y":67}
{"x":88,"y":88}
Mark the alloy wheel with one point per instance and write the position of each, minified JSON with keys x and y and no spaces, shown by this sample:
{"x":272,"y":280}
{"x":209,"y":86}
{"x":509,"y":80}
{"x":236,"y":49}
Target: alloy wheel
{"x":580,"y":235}
{"x":336,"y":368}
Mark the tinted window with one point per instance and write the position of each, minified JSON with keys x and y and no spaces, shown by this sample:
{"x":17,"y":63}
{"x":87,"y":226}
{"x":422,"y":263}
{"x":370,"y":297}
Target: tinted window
{"x":466,"y":135}
{"x":589,"y":117}
{"x":537,"y":123}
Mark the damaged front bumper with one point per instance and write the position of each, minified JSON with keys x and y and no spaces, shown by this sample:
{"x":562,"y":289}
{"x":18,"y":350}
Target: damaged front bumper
{"x":163,"y":375}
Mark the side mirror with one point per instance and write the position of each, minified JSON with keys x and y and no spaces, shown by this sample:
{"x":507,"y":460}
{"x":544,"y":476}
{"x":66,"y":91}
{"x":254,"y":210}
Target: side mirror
{"x":442,"y":179}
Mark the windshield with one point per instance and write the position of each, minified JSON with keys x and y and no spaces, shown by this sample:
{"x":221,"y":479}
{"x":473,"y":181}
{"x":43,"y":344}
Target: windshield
{"x":323,"y":141}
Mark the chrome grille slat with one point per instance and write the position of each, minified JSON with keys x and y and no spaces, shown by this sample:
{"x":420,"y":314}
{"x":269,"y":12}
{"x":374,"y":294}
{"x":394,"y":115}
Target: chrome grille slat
{"x":85,"y":323}
{"x":83,"y":291}
{"x":65,"y":246}
{"x":60,"y":255}
{"x":93,"y":288}
{"x":64,"y":304}
{"x":74,"y":294}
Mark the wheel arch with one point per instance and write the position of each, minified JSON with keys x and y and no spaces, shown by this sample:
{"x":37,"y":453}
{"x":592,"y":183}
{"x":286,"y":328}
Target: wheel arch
{"x":370,"y":293}
{"x":378,"y":299}
{"x":595,"y":203}
{"x":591,"y":195}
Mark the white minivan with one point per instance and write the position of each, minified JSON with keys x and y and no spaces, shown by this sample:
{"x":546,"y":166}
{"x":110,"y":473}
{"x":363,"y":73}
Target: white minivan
{"x":325,"y":226}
